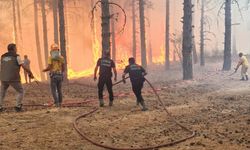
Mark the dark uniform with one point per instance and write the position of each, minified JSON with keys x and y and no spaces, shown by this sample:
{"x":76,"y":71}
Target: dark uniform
{"x":105,"y":77}
{"x":136,"y":74}
{"x":10,"y":76}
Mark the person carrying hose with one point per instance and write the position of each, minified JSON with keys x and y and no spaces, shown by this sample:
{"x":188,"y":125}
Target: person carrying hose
{"x":105,"y":77}
{"x":136,"y":74}
{"x":244,"y":63}
{"x":56,"y":67}
{"x":10,"y":75}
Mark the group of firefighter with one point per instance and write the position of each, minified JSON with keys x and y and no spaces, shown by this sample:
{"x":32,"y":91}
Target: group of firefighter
{"x":11,"y":63}
{"x":10,"y":75}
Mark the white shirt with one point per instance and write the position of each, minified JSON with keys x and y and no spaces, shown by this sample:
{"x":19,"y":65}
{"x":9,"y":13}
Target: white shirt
{"x":19,"y":60}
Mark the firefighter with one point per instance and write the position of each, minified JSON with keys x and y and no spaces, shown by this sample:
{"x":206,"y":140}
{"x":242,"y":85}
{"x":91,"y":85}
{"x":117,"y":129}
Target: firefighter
{"x":136,"y":74}
{"x":10,"y":75}
{"x":105,"y":77}
{"x":244,"y":63}
{"x":26,"y":63}
{"x":56,"y":68}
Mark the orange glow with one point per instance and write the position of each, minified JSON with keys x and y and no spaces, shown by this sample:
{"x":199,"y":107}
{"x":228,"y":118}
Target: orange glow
{"x":83,"y":41}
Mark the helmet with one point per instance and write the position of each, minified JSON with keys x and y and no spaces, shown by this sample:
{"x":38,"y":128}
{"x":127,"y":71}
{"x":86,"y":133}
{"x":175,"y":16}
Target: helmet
{"x":54,"y":47}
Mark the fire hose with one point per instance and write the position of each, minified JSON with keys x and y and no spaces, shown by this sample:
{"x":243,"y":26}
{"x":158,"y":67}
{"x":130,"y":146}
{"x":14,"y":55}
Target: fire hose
{"x":192,"y":133}
{"x":86,"y":101}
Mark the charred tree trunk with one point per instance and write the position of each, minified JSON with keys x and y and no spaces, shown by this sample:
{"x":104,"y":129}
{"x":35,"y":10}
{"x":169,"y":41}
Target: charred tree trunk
{"x":19,"y":18}
{"x":142,"y":32}
{"x":227,"y":42}
{"x":202,"y":53}
{"x":113,"y":39}
{"x":38,"y":46}
{"x":62,"y":35}
{"x":187,"y":41}
{"x":105,"y":27}
{"x":167,"y":42}
{"x":14,"y":21}
{"x":55,"y":18}
{"x":134,"y":28}
{"x":45,"y":33}
{"x":195,"y":55}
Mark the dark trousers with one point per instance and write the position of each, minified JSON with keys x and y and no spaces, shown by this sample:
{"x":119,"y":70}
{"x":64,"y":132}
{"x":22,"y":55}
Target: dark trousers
{"x":108,"y":82}
{"x":56,"y":88}
{"x":137,"y":87}
{"x":17,"y":85}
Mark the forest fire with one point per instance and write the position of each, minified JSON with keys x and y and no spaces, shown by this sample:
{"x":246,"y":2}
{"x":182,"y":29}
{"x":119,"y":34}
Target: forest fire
{"x":124,"y":74}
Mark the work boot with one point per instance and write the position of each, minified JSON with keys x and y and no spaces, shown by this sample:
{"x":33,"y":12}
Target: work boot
{"x":144,"y":108}
{"x":246,"y":77}
{"x":110,"y":103}
{"x":101,"y":103}
{"x":1,"y":109}
{"x":137,"y":103}
{"x":242,"y":79}
{"x":18,"y":108}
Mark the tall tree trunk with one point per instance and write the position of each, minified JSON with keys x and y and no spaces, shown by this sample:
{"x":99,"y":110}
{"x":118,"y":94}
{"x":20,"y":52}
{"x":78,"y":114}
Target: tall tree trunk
{"x":66,"y":24}
{"x":142,"y":32}
{"x":187,"y":41}
{"x":14,"y":22}
{"x":113,"y":38}
{"x":19,"y":18}
{"x":45,"y":32}
{"x":202,"y":53}
{"x":62,"y":35}
{"x":195,"y":55}
{"x":105,"y":27}
{"x":134,"y":28}
{"x":167,"y":42}
{"x":38,"y":47}
{"x":55,"y":18}
{"x":150,"y":51}
{"x":227,"y":42}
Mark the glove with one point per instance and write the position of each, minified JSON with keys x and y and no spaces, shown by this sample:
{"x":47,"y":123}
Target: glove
{"x":31,"y":75}
{"x":95,"y":78}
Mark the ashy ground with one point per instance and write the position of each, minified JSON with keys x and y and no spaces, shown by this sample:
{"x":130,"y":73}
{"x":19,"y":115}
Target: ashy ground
{"x":214,"y":105}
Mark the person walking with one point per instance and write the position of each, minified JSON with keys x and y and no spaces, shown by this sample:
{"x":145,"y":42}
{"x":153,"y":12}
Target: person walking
{"x":56,"y":68}
{"x":106,"y":64}
{"x":10,"y":75}
{"x":26,"y":63}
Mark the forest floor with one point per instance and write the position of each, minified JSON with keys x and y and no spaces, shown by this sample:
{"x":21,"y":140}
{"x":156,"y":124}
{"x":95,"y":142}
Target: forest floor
{"x":214,"y":105}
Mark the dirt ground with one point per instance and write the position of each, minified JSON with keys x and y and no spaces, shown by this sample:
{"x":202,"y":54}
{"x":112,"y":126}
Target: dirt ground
{"x":214,"y":105}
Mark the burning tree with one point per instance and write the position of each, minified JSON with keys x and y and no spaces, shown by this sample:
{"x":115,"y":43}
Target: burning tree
{"x":106,"y":16}
{"x":187,"y":41}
